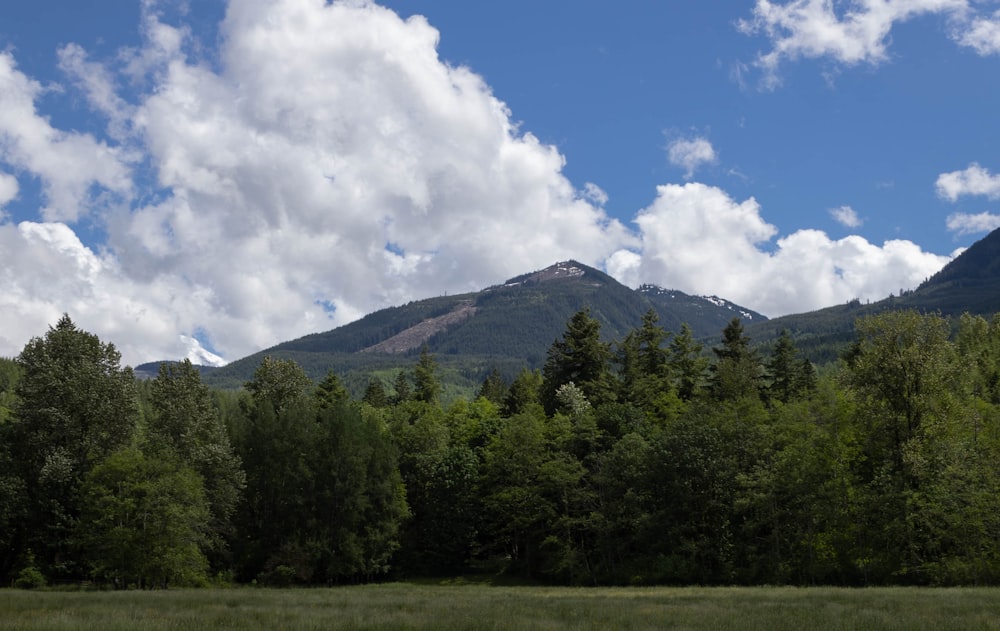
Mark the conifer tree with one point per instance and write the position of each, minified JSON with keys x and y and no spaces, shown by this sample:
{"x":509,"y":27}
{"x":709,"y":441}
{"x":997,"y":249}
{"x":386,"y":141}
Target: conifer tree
{"x":579,"y":357}
{"x":426,"y":382}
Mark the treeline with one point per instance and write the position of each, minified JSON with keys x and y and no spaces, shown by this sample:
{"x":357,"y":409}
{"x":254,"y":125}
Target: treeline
{"x":639,"y":462}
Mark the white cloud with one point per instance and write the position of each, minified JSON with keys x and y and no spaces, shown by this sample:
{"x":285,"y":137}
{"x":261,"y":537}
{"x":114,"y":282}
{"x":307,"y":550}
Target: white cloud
{"x":846,"y":216}
{"x":98,"y":84}
{"x":691,"y":153}
{"x":594,"y":193}
{"x":696,"y":237}
{"x":965,"y":224}
{"x":330,"y":160}
{"x":8,"y":188}
{"x":982,"y":35}
{"x":857,"y":34}
{"x":48,"y":271}
{"x":74,"y":168}
{"x":974,"y":180}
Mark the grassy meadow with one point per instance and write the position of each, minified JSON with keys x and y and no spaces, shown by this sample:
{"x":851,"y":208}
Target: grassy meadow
{"x":468,"y":606}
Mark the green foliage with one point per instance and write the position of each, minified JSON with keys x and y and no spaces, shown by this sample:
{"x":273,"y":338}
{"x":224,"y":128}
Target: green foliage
{"x":375,"y":394}
{"x":185,"y":425}
{"x":494,"y":387}
{"x":330,"y":392}
{"x":579,"y":357}
{"x":737,"y":372}
{"x":324,"y":497}
{"x":75,"y":405}
{"x":30,"y":577}
{"x":144,"y":521}
{"x":278,"y":383}
{"x":666,"y":466}
{"x":427,"y":387}
{"x":10,"y":374}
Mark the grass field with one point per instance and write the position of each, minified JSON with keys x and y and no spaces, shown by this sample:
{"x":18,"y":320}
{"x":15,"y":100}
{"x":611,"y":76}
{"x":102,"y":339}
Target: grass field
{"x":445,"y":607}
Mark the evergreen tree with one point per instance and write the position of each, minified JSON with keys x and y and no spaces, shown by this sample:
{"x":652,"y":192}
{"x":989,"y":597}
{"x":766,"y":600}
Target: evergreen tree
{"x":737,"y":371}
{"x":581,"y":357}
{"x":427,"y":385}
{"x":687,"y":366}
{"x":791,"y":376}
{"x":493,"y":388}
{"x":645,"y":368}
{"x":524,"y":392}
{"x":330,"y":392}
{"x":375,"y":394}
{"x":404,"y":391}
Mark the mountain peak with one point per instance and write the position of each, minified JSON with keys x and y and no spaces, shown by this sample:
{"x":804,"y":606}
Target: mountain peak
{"x":557,"y":271}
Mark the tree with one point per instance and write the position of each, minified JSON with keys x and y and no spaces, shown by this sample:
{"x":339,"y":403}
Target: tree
{"x":912,"y":393}
{"x":427,"y":384}
{"x":790,"y":375}
{"x":524,"y":392}
{"x":493,"y":387}
{"x":737,"y":372}
{"x":279,"y":382}
{"x":581,"y":357}
{"x":358,"y":502}
{"x":687,"y":366}
{"x":404,"y":391}
{"x":75,"y":406}
{"x":186,"y":426}
{"x":330,"y":392}
{"x":324,"y":499}
{"x":144,"y":521}
{"x":375,"y":394}
{"x":10,"y":373}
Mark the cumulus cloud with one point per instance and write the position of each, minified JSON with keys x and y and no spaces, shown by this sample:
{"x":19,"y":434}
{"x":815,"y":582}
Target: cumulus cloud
{"x":307,"y":180}
{"x":329,"y":163}
{"x":696,"y":236}
{"x":965,"y":224}
{"x":982,"y":35}
{"x":690,"y":154}
{"x":857,"y":34}
{"x":974,"y":180}
{"x":846,"y":216}
{"x":75,"y":168}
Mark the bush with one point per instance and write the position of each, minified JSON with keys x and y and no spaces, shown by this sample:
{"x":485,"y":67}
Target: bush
{"x":29,"y":578}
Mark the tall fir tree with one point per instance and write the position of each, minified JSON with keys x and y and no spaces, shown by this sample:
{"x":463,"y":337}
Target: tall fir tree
{"x":580,"y":357}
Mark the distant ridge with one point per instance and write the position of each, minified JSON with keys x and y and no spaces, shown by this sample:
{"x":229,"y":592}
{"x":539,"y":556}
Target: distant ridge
{"x":507,"y":326}
{"x":970,"y":283}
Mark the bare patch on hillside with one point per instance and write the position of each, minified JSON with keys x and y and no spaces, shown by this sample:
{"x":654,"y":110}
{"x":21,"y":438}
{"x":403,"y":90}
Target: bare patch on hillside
{"x":419,"y":333}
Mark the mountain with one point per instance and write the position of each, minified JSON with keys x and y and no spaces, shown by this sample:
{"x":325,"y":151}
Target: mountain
{"x":506,"y":326}
{"x":970,"y":283}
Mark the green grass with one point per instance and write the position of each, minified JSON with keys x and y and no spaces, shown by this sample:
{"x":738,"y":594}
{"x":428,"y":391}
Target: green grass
{"x":464,"y":606}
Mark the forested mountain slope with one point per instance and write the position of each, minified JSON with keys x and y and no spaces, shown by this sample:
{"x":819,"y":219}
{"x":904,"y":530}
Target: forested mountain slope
{"x":507,"y":326}
{"x":968,"y":284}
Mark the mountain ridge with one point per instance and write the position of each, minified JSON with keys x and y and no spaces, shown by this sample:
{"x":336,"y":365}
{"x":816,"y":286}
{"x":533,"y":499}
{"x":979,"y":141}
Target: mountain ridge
{"x":508,"y":325}
{"x":511,"y":325}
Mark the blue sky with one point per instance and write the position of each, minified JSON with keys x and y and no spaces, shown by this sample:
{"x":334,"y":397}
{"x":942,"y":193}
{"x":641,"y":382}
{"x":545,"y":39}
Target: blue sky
{"x":210,"y":178}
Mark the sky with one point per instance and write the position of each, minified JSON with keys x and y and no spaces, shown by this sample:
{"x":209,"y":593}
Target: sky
{"x":208,"y":178}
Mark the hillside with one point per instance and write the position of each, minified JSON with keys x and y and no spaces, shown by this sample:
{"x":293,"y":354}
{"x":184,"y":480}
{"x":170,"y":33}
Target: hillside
{"x":507,"y":326}
{"x":968,"y":284}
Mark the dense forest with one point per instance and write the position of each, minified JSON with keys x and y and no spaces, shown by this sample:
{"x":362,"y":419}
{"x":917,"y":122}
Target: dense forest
{"x":649,"y":460}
